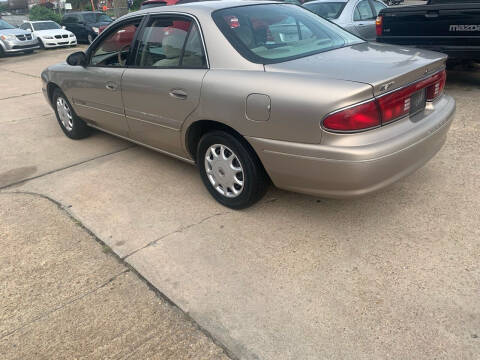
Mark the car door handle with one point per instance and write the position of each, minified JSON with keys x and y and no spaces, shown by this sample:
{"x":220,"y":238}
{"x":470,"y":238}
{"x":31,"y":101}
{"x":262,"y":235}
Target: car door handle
{"x":111,"y":86}
{"x":178,"y":94}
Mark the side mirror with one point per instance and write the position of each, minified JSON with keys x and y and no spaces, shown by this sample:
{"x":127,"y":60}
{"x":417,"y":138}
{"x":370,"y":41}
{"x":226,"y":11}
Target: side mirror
{"x":64,"y":27}
{"x":77,"y":59}
{"x":29,"y":30}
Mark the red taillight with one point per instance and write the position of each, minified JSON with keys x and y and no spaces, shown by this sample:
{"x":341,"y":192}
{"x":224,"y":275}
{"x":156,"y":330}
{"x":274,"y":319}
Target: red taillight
{"x":379,"y":25}
{"x":436,"y":89}
{"x":389,"y":107}
{"x":396,"y":104}
{"x":359,"y":117}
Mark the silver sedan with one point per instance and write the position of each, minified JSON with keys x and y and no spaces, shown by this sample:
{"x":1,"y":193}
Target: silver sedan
{"x":253,"y":93}
{"x":356,"y":16}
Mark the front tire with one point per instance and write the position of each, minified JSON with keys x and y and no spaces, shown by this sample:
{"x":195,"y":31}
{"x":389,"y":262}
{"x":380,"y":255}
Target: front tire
{"x":71,"y":124}
{"x":42,"y":45}
{"x":230,"y":170}
{"x":90,"y":39}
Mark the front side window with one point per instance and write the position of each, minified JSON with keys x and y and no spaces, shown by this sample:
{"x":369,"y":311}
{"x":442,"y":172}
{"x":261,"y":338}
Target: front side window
{"x":273,"y":33}
{"x":169,"y":42}
{"x":70,"y":20}
{"x":46,"y":25}
{"x":327,"y":10}
{"x":363,"y":11}
{"x":115,"y":48}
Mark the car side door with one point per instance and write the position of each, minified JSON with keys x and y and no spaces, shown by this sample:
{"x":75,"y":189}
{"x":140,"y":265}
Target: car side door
{"x":162,"y":85}
{"x":71,"y":23}
{"x":364,"y":20}
{"x":94,"y":89}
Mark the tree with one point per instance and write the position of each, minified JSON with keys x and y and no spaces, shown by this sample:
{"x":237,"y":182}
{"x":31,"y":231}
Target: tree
{"x":3,"y":7}
{"x":39,"y":12}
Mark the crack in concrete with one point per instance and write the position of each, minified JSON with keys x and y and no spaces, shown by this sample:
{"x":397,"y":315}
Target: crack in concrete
{"x":64,"y":168}
{"x":27,"y":118}
{"x":157,"y":291}
{"x":20,"y":73}
{"x":17,"y":96}
{"x":179,"y":230}
{"x":66,"y":304}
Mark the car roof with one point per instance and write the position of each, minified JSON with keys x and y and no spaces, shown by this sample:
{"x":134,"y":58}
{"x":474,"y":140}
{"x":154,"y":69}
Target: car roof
{"x":201,"y":6}
{"x":39,"y":21}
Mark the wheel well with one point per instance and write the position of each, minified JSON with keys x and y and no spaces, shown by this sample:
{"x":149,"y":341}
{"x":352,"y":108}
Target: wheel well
{"x":50,"y":89}
{"x":201,"y":127}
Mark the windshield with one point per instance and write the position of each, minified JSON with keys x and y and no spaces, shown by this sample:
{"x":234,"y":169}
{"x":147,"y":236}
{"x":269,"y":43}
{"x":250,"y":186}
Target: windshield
{"x":4,"y":25}
{"x":327,"y":10}
{"x":94,"y":18}
{"x":46,"y":25}
{"x":272,"y":33}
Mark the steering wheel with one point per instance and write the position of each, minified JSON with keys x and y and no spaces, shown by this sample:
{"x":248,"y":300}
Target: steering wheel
{"x":119,"y":55}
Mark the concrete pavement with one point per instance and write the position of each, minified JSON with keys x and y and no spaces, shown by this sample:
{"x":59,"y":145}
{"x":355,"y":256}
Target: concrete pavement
{"x":392,"y":275}
{"x":64,"y":297}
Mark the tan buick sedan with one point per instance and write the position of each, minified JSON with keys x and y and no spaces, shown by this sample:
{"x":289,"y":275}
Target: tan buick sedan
{"x":254,"y":92}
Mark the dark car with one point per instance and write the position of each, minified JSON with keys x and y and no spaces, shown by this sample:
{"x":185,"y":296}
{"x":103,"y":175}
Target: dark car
{"x":86,"y":24}
{"x":448,"y":26}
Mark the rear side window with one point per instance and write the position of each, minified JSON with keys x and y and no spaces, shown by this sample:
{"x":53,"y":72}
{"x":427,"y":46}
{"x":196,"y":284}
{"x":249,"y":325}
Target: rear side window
{"x":327,"y":10}
{"x":267,"y":34}
{"x":363,"y":11}
{"x":171,"y":42}
{"x":378,"y":6}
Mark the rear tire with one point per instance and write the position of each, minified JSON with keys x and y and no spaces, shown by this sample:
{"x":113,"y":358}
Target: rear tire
{"x":90,"y":39}
{"x":74,"y":127}
{"x":230,"y":170}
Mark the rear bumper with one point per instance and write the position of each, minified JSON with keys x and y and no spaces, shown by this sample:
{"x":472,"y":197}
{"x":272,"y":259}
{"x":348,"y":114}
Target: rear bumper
{"x":340,"y":171}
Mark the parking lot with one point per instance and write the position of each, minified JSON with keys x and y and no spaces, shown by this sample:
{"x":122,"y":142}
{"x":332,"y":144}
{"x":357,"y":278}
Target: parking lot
{"x":391,"y":275}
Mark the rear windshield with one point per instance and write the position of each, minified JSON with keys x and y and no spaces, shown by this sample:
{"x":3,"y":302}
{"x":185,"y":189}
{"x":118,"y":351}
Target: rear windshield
{"x":47,"y":25}
{"x":327,"y":10}
{"x":4,"y":25}
{"x":93,"y":18}
{"x":272,"y":33}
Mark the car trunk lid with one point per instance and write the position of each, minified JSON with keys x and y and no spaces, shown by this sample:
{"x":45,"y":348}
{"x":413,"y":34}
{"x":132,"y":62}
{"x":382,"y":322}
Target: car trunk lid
{"x":384,"y":67}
